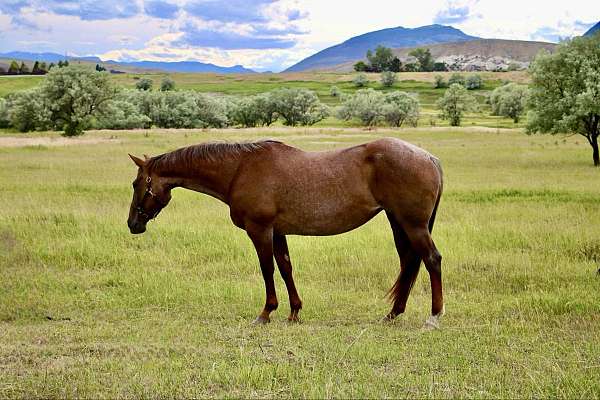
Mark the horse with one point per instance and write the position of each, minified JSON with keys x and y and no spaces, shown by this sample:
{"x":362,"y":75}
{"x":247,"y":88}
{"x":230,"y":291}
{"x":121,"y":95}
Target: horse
{"x":274,"y":190}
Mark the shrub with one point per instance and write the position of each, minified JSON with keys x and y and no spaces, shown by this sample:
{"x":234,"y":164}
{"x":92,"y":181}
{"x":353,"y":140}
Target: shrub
{"x":267,"y":106}
{"x":122,"y":114}
{"x":456,"y":78}
{"x":473,"y":82}
{"x":334,"y":91}
{"x":388,"y":78}
{"x":144,"y":84}
{"x":244,"y":112}
{"x":401,"y":107}
{"x":439,"y":82}
{"x":361,"y":80}
{"x":509,"y":101}
{"x":4,"y":119}
{"x":455,"y":102}
{"x":299,"y":106}
{"x":167,"y":84}
{"x":28,"y":111}
{"x":366,"y":105}
{"x":361,"y":66}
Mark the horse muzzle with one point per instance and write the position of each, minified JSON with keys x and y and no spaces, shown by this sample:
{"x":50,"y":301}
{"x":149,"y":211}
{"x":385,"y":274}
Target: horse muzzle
{"x":136,"y":227}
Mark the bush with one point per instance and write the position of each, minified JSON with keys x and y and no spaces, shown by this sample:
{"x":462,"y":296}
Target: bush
{"x":473,"y":82}
{"x":361,"y":80}
{"x":167,"y":84}
{"x":144,"y":84}
{"x":28,"y":111}
{"x":456,"y":78}
{"x":439,"y":82}
{"x":388,"y":78}
{"x":334,"y":91}
{"x":509,"y":101}
{"x":455,"y":102}
{"x":401,"y":107}
{"x":121,"y":113}
{"x":299,"y":106}
{"x":366,"y":105}
{"x":361,"y":66}
{"x":4,"y":119}
{"x":244,"y":112}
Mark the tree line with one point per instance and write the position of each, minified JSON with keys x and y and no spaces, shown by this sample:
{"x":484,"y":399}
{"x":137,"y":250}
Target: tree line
{"x":38,"y":68}
{"x":383,"y":59}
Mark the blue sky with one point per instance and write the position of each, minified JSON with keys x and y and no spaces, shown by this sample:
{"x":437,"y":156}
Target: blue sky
{"x":262,"y":34}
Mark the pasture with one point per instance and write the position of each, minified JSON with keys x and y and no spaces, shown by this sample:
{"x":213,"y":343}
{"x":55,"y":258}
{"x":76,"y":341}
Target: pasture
{"x":88,"y":310}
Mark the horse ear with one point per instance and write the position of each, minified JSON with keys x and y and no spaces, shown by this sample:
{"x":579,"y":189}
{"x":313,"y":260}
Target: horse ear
{"x":146,"y":157}
{"x":138,"y":161}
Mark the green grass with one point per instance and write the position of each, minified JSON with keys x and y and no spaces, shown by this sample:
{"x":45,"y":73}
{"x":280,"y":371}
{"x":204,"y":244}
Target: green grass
{"x":167,"y":313}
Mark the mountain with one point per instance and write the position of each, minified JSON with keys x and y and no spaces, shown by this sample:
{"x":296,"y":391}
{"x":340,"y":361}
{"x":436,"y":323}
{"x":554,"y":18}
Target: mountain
{"x":48,"y":57}
{"x":355,"y":48}
{"x":474,"y":55}
{"x":184,"y":66}
{"x":178,"y":66}
{"x":593,"y":30}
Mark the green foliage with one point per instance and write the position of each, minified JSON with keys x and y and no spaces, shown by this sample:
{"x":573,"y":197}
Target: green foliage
{"x":439,"y":82}
{"x":23,"y":69}
{"x":401,"y":107}
{"x":565,"y":91}
{"x":13,"y":69}
{"x":455,"y":102}
{"x":440,"y":66}
{"x":388,"y":78}
{"x":167,"y":84}
{"x":100,"y":68}
{"x":251,"y":111}
{"x":411,"y":67}
{"x":424,"y":59}
{"x":360,"y":80}
{"x":396,"y":65}
{"x":28,"y":110}
{"x":473,"y":82}
{"x":4,"y":117}
{"x":380,"y":60}
{"x":144,"y":84}
{"x":509,"y":101}
{"x":299,"y":106}
{"x":74,"y":94}
{"x":457,"y":78}
{"x":361,"y":66}
{"x":122,"y":113}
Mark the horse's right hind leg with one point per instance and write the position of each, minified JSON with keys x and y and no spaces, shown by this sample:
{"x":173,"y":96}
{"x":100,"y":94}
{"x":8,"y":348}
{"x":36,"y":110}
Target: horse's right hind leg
{"x":410,"y":263}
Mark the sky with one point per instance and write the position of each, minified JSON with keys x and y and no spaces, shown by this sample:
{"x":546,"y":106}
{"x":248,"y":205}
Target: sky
{"x":263,"y":34}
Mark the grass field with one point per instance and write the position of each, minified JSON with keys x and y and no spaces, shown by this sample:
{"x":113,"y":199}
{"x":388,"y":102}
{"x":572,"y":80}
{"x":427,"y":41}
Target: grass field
{"x":88,"y":310}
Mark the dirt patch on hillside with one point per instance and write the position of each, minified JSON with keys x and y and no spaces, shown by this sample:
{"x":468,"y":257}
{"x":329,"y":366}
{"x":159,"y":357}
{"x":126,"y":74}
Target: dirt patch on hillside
{"x":11,"y":141}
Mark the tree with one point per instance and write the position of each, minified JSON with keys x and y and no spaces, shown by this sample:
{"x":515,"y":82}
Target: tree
{"x":440,"y":66}
{"x":509,"y":101}
{"x":28,"y":110}
{"x":381,"y":60}
{"x":167,"y":84}
{"x":43,"y":68}
{"x":144,"y":84}
{"x":74,"y":95}
{"x":100,"y":68}
{"x":13,"y":69}
{"x":361,"y":66}
{"x":388,"y":78}
{"x":473,"y":82}
{"x":565,"y":91}
{"x":361,"y":80}
{"x":439,"y":82}
{"x":23,"y":69}
{"x":424,"y":58}
{"x":52,"y":65}
{"x":400,"y":107}
{"x":455,"y":102}
{"x":396,"y":65}
{"x":299,"y":106}
{"x":36,"y":69}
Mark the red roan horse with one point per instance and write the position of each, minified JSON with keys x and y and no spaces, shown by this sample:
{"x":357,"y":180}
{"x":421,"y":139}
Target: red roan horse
{"x":274,"y":190}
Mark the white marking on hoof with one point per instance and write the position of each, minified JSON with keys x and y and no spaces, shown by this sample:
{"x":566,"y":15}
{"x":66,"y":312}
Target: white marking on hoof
{"x":433,"y":322}
{"x":286,"y":257}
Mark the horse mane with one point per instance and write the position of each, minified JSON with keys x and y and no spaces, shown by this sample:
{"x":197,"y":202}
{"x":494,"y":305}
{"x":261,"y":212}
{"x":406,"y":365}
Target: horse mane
{"x":186,"y":157}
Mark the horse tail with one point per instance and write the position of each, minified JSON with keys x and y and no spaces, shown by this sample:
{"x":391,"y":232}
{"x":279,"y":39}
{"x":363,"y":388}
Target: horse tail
{"x":439,"y":196}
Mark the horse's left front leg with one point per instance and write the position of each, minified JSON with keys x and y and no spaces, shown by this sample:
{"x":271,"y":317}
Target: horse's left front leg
{"x":262,"y":238}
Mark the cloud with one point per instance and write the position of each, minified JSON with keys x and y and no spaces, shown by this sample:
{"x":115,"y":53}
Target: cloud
{"x":453,"y":13}
{"x":88,"y":10}
{"x":228,"y":40}
{"x":161,"y":9}
{"x":240,"y":11}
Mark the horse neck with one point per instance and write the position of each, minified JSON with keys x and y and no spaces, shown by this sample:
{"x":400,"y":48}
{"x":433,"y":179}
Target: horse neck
{"x":208,"y":176}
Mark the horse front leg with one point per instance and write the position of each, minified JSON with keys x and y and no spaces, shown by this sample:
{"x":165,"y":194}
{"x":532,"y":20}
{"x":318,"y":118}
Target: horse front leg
{"x":282,"y":256}
{"x":262,"y":238}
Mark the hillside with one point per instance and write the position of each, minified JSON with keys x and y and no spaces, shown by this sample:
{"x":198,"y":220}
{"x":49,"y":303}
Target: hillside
{"x":473,"y":55}
{"x":356,"y":47}
{"x":593,"y":30}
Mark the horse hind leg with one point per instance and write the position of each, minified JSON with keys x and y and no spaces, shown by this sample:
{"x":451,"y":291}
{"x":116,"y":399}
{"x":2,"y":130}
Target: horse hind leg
{"x":410,"y":263}
{"x":282,"y":256}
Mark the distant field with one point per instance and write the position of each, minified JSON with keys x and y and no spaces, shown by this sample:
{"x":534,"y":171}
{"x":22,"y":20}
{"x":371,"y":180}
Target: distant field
{"x":88,"y":310}
{"x":419,"y":83}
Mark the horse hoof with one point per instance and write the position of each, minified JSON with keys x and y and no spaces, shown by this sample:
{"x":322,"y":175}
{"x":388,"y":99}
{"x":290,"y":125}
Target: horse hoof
{"x":294,"y":319}
{"x":432,"y":323}
{"x":388,"y":318}
{"x":260,"y":320}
